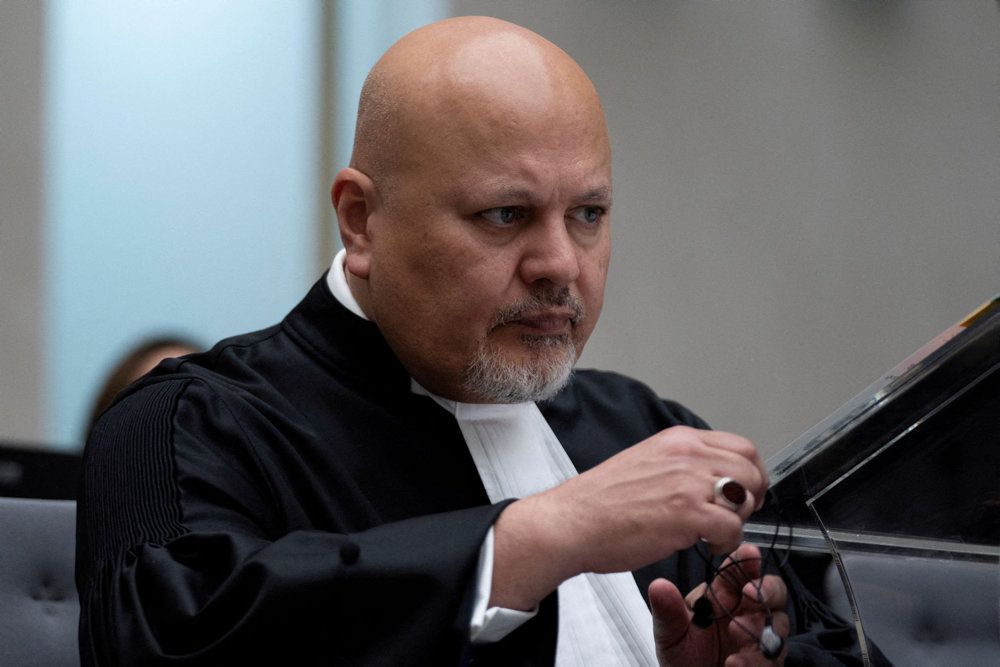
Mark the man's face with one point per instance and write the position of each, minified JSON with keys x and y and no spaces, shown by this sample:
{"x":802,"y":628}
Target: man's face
{"x":490,"y":252}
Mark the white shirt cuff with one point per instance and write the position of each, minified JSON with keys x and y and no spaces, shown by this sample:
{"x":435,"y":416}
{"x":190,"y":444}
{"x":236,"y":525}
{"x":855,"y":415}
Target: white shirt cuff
{"x":491,"y":624}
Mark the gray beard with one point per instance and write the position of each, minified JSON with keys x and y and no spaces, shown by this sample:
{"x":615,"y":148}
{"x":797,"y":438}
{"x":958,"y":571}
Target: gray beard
{"x":495,"y":379}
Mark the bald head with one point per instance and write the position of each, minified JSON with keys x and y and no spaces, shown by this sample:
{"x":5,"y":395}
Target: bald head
{"x":475,"y":212}
{"x":463,"y":81}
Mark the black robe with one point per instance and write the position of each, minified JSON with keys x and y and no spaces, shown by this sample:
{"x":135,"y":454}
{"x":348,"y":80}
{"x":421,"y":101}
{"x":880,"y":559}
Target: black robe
{"x":284,"y":498}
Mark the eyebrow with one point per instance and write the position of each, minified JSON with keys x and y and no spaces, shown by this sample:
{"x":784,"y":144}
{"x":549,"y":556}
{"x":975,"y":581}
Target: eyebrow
{"x":600,"y":194}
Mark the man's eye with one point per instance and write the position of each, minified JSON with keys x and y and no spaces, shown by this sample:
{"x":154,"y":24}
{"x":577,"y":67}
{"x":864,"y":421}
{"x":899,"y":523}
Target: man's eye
{"x":502,"y":215}
{"x":588,"y":214}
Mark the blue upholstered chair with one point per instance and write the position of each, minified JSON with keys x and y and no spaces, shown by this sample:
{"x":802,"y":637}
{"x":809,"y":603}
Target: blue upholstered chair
{"x":922,"y":611}
{"x":39,"y":608}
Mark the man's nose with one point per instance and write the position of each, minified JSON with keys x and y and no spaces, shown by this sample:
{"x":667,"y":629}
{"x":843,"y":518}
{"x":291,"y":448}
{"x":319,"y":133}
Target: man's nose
{"x":550,"y":253}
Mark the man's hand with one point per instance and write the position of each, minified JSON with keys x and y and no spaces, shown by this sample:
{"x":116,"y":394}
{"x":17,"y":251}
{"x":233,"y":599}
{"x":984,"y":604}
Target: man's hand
{"x":641,"y":505}
{"x":739,"y":613}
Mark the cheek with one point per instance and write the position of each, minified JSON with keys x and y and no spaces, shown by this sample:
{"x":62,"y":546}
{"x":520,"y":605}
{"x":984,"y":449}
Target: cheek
{"x":476,"y":292}
{"x":451,"y":295}
{"x":591,"y":285}
{"x":593,"y":278}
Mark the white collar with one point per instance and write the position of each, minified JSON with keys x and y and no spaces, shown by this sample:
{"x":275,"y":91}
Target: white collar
{"x":336,"y":280}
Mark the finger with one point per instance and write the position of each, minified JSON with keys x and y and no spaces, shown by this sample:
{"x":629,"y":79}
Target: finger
{"x":744,"y":509}
{"x":773,"y":592}
{"x":746,"y":633}
{"x":754,"y":485}
{"x":729,"y":456}
{"x":781,"y":624}
{"x":695,"y":593}
{"x":730,"y":492}
{"x":749,"y":558}
{"x":747,"y":628}
{"x":740,"y":568}
{"x":733,"y":442}
{"x":742,"y":448}
{"x":671,"y":616}
{"x":751,"y":505}
{"x":721,"y":529}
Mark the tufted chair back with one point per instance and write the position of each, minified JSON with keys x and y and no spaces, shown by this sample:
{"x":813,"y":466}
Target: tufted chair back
{"x":39,"y":608}
{"x":922,"y":611}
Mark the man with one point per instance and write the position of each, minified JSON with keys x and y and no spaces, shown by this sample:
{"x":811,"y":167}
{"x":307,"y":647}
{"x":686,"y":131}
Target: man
{"x":389,"y":476}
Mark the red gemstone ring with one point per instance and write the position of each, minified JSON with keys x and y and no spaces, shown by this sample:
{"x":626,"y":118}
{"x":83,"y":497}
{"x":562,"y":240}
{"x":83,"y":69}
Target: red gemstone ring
{"x":730,"y":493}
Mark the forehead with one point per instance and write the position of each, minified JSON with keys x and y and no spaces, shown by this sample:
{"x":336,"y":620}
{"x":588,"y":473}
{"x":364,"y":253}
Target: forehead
{"x":512,"y":149}
{"x":499,"y":165}
{"x":499,"y":99}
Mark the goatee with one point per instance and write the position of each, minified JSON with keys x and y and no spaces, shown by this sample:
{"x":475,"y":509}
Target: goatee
{"x":495,"y":378}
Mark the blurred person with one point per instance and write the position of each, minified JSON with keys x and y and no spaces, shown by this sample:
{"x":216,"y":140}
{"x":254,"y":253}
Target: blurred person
{"x":136,"y":362}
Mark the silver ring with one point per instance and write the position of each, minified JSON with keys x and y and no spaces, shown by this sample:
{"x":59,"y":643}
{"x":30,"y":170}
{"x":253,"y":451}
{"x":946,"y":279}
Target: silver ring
{"x":730,"y":493}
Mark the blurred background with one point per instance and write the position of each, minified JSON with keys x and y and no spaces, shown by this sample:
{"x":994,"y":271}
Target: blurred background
{"x":805,"y":192}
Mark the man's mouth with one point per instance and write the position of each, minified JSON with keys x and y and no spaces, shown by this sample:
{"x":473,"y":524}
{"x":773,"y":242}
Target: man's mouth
{"x":548,"y":322}
{"x":544,"y":313}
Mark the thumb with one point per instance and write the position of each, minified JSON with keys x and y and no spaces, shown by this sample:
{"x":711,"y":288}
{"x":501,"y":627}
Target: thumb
{"x":671,"y":616}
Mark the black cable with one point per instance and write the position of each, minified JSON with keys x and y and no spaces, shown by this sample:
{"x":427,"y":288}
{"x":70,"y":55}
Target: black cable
{"x":770,"y":643}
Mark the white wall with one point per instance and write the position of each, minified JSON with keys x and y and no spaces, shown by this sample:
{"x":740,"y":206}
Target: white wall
{"x":165,"y":168}
{"x":181,"y":157}
{"x":805,"y":192}
{"x":21,"y":25}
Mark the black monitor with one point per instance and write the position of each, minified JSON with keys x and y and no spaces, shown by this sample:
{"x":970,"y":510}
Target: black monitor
{"x":33,"y":471}
{"x":911,"y":465}
{"x":899,"y":490}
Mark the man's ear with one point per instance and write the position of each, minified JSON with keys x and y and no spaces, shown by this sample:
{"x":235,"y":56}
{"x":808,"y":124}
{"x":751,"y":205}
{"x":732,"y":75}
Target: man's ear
{"x":356,"y":200}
